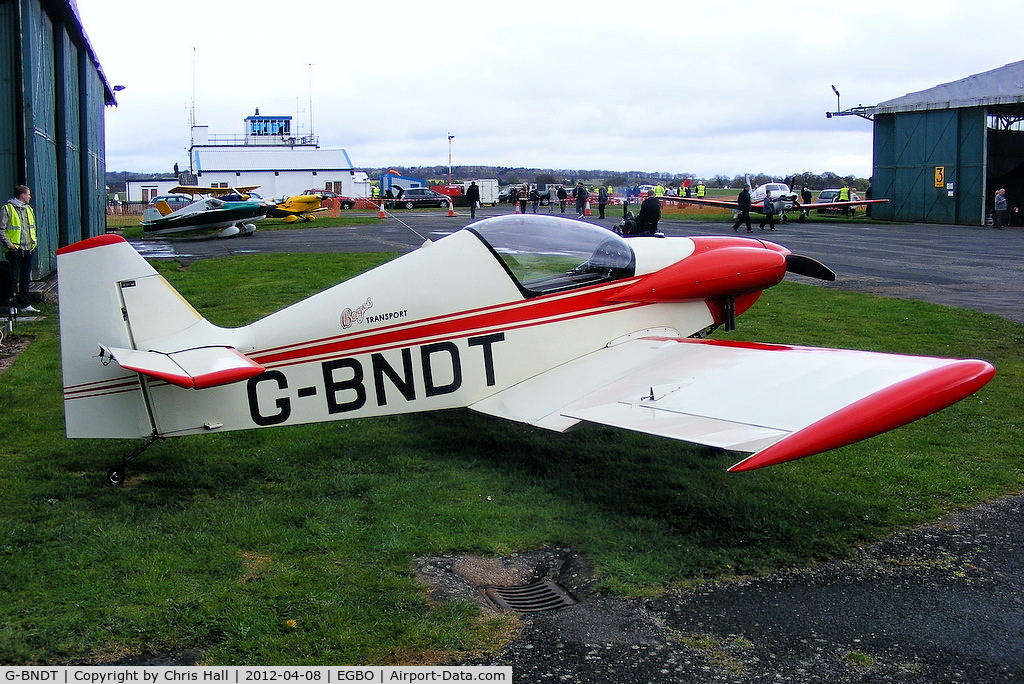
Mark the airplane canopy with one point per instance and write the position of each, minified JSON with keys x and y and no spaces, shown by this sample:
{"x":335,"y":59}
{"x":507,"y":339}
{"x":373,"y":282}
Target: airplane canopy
{"x":548,"y":254}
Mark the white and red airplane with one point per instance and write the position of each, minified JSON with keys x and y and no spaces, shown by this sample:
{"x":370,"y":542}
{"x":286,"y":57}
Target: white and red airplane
{"x":784,"y":200}
{"x":538,"y":319}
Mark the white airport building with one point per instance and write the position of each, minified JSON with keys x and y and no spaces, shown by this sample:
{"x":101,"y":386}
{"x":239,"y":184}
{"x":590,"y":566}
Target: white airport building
{"x":266,"y":154}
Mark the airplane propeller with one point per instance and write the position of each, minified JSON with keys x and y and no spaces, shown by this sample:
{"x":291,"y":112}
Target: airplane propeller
{"x":806,"y":266}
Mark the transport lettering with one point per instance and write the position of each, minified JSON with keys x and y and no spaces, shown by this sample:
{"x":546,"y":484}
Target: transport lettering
{"x":347,"y":384}
{"x":389,"y":316}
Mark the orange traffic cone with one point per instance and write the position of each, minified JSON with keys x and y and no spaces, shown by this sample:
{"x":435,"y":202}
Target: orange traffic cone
{"x":586,"y":209}
{"x":451,"y":208}
{"x":380,"y":212}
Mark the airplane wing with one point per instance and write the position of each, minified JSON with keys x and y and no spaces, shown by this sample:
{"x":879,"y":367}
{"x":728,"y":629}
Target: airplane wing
{"x":731,"y":204}
{"x":704,"y":201}
{"x":197,"y":368}
{"x":826,"y":205}
{"x":775,"y":402}
{"x":279,"y":210}
{"x":206,"y":190}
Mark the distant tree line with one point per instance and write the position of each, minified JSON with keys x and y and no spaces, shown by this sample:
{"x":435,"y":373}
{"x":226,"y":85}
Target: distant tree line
{"x":114,"y":180}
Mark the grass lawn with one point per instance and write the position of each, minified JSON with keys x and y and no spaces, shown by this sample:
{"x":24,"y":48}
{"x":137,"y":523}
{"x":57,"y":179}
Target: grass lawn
{"x":294,"y":545}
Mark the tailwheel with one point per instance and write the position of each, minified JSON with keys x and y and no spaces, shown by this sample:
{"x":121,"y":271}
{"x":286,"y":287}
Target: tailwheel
{"x":117,"y":474}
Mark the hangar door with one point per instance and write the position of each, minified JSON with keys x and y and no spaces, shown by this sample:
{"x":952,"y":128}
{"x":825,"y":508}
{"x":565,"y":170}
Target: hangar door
{"x":931,"y":166}
{"x":1006,"y":169}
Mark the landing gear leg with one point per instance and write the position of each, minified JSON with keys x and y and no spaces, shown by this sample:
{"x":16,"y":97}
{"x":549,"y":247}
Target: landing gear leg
{"x":730,"y":313}
{"x":116,"y":475}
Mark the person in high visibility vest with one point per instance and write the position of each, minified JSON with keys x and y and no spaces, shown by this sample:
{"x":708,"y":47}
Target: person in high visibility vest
{"x":18,"y":237}
{"x":844,"y":196}
{"x":702,"y":189}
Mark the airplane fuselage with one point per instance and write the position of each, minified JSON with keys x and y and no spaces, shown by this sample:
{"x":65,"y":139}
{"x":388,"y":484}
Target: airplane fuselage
{"x":444,"y":326}
{"x":783,"y":199}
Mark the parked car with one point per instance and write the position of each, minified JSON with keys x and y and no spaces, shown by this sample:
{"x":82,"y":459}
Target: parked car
{"x":343,"y":202}
{"x":421,"y":197}
{"x":830,"y":195}
{"x":246,"y":197}
{"x":175,"y":201}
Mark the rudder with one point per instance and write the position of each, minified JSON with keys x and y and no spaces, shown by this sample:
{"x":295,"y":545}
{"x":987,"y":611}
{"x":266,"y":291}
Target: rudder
{"x":108,"y":294}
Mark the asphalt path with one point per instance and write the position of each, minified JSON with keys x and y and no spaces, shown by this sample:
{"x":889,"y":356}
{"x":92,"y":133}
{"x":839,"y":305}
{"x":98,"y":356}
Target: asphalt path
{"x":940,"y":603}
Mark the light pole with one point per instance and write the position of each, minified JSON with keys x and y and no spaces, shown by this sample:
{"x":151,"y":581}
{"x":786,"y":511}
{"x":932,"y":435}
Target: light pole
{"x":450,"y":136}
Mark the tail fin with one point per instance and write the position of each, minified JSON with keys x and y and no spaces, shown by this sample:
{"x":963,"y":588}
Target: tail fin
{"x":115,"y":307}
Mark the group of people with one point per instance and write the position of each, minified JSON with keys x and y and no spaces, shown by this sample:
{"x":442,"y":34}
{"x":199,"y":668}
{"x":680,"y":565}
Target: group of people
{"x":579,"y":194}
{"x":686,"y":189}
{"x":744,"y":204}
{"x":18,"y":240}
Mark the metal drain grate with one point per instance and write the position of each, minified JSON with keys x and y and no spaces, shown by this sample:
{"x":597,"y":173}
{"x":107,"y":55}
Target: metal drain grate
{"x":530,"y":598}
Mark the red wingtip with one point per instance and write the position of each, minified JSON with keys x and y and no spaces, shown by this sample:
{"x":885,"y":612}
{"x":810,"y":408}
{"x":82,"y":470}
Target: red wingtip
{"x":884,"y":410}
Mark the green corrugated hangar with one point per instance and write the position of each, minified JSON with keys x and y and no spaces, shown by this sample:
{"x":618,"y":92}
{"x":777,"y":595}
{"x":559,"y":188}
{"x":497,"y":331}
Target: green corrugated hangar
{"x":52,"y":98}
{"x":940,"y":154}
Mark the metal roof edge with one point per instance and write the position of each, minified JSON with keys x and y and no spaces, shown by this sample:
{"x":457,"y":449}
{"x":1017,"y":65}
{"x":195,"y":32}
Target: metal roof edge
{"x":963,"y":93}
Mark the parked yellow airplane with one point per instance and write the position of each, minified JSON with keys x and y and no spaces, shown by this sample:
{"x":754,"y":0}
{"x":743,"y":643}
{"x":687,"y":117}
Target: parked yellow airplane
{"x":296,"y":207}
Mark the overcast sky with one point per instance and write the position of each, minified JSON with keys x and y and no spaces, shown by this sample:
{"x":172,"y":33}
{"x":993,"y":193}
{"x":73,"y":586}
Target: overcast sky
{"x":679,"y":87}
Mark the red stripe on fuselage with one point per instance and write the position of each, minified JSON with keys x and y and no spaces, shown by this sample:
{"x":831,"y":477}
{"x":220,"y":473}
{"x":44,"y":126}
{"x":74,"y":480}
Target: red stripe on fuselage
{"x":514,"y":315}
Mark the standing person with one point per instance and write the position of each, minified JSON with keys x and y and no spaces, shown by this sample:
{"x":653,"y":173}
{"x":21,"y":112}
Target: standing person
{"x":473,"y":197}
{"x":580,"y":194}
{"x":805,"y":198}
{"x":602,"y":200}
{"x":999,"y":214}
{"x":743,"y":202}
{"x":868,"y":194}
{"x":523,"y":195}
{"x":534,"y":198}
{"x":563,"y":198}
{"x":702,"y":189}
{"x":844,"y":196}
{"x":769,"y":210}
{"x":18,"y":235}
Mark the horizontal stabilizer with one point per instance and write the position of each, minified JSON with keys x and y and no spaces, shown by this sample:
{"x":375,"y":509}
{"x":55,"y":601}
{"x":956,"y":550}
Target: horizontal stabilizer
{"x":198,"y":368}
